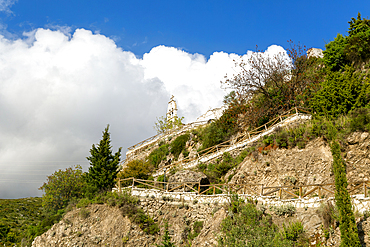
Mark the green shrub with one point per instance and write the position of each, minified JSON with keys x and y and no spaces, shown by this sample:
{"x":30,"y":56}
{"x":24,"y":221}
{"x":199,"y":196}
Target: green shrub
{"x":341,"y":93}
{"x":197,"y":228}
{"x":287,"y":209}
{"x":158,"y":154}
{"x":294,"y":233}
{"x":166,"y":238}
{"x":84,"y":213}
{"x":83,"y":203}
{"x":137,"y":169}
{"x":178,"y":145}
{"x":223,"y":128}
{"x":61,"y":187}
{"x":334,"y":57}
{"x":245,"y":225}
{"x":360,"y":120}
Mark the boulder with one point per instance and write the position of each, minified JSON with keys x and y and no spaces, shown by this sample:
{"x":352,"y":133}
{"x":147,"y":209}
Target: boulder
{"x":187,"y":176}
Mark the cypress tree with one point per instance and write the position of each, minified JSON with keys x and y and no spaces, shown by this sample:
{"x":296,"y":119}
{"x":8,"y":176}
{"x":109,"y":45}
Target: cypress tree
{"x":347,"y":222}
{"x":104,"y":165}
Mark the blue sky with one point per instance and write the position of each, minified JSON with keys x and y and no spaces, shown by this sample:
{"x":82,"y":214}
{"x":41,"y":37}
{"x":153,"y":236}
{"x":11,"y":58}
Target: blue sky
{"x":194,"y":26}
{"x":69,"y":68}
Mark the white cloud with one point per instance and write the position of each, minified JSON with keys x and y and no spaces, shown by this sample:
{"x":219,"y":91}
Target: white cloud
{"x":6,"y":4}
{"x":58,"y":92}
{"x":194,"y":81}
{"x":57,"y":96}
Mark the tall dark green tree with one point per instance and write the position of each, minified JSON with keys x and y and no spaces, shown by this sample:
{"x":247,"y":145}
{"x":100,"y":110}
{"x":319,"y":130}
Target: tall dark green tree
{"x":104,"y":165}
{"x":347,"y":222}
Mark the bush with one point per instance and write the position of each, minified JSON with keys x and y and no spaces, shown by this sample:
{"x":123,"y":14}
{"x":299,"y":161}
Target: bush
{"x":197,"y":228}
{"x":295,"y":233}
{"x":158,"y":154}
{"x":340,"y":93}
{"x":223,"y":128}
{"x":137,"y":169}
{"x":178,"y":145}
{"x":334,"y":57}
{"x":166,"y":238}
{"x":247,"y":226}
{"x":84,"y":213}
{"x":61,"y":187}
{"x":288,"y":210}
{"x":329,"y":214}
{"x":360,"y":120}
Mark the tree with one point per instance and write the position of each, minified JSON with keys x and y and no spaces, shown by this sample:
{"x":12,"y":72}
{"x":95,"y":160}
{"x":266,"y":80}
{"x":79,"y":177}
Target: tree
{"x":163,"y":124}
{"x":341,"y":92}
{"x":352,"y":49}
{"x":273,"y":84}
{"x":61,"y":187}
{"x":357,"y":48}
{"x":104,"y":166}
{"x":347,"y":222}
{"x":334,"y":57}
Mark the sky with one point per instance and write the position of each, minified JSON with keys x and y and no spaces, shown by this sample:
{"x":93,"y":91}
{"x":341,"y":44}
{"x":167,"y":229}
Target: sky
{"x":70,"y":68}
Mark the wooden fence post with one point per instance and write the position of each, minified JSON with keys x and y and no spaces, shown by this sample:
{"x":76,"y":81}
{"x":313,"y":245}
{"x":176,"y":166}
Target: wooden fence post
{"x":214,"y":190}
{"x":199,"y":188}
{"x":300,"y":191}
{"x":280,"y":192}
{"x":119,"y":185}
{"x":262,"y":190}
{"x":296,"y":110}
{"x":365,"y":192}
{"x":265,"y":127}
{"x":133,"y":182}
{"x":319,"y":191}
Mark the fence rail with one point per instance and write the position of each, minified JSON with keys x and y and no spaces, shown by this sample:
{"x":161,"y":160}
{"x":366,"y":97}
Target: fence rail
{"x":171,"y":131}
{"x":292,"y":191}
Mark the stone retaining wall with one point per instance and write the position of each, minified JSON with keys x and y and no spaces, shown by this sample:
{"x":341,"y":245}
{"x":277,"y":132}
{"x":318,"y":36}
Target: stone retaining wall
{"x":359,"y":202}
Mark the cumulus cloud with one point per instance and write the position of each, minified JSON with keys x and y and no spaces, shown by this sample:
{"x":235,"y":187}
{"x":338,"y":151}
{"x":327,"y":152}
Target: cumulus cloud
{"x":58,"y":92}
{"x":58,"y":95}
{"x":194,"y":81}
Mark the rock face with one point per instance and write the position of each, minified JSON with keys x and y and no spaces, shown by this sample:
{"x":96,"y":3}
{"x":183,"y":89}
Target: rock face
{"x":187,"y":176}
{"x":101,"y":226}
{"x":211,"y":230}
{"x":105,"y":226}
{"x":311,"y":165}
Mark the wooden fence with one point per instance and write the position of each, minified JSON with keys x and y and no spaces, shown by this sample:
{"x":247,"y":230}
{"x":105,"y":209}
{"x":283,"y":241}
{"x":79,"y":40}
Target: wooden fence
{"x":241,"y":137}
{"x":293,"y":191}
{"x":185,"y":127}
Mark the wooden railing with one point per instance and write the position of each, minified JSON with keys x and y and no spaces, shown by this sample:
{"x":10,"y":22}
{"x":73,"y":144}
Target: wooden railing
{"x":169,"y":132}
{"x":293,"y":191}
{"x":240,"y":138}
